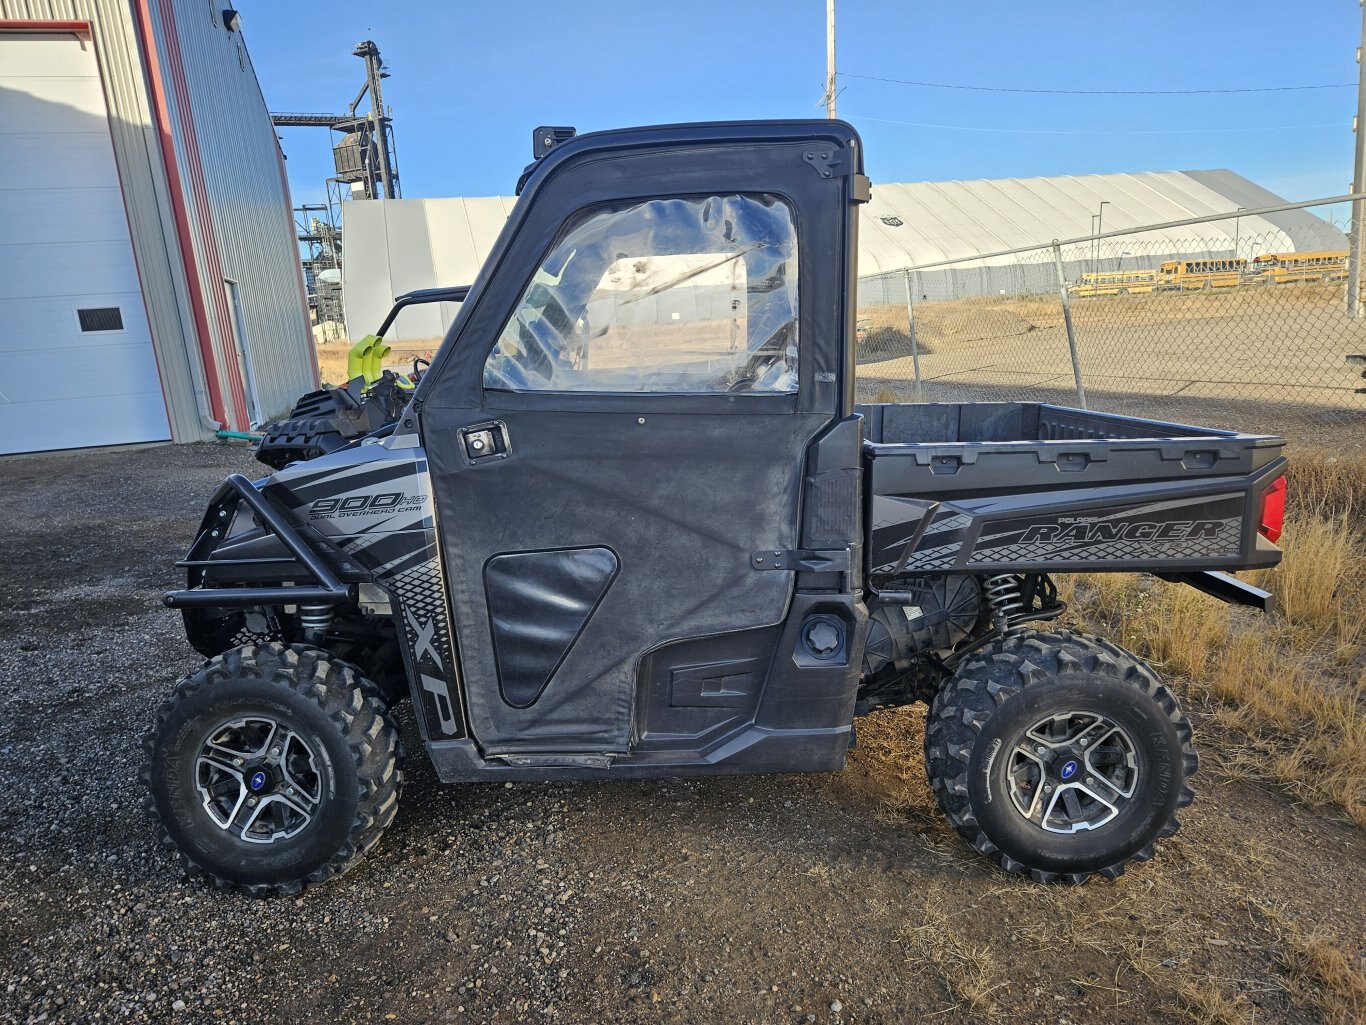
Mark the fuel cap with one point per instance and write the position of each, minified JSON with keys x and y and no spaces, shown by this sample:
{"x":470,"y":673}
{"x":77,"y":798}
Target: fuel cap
{"x":823,"y":637}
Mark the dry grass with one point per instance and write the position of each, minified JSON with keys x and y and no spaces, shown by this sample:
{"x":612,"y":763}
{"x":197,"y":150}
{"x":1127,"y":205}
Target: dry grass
{"x":968,"y":972}
{"x":886,"y":395}
{"x":986,"y":317}
{"x":1207,"y":1004}
{"x":1322,"y":978}
{"x":1317,"y":975}
{"x":1286,"y":691}
{"x":886,"y":334}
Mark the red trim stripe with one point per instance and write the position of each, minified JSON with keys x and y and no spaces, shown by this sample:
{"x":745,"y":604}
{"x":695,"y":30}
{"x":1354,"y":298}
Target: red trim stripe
{"x":30,"y":25}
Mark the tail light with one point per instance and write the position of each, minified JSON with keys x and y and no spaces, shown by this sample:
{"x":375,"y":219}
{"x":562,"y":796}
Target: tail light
{"x":1273,"y":511}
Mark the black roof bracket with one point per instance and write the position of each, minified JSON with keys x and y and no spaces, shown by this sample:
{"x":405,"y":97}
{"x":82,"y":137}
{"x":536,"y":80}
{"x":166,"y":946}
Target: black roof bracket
{"x":828,"y":160}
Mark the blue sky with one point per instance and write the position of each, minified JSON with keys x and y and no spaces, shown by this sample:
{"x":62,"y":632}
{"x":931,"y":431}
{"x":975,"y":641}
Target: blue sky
{"x":471,"y":81}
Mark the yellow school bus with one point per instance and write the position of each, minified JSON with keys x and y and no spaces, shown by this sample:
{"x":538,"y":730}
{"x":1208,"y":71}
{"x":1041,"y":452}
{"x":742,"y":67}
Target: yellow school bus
{"x":1200,"y":275}
{"x":1286,"y":268}
{"x":1119,"y":282}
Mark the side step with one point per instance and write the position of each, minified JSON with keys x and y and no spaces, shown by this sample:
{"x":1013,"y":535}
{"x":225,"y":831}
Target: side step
{"x":558,"y":761}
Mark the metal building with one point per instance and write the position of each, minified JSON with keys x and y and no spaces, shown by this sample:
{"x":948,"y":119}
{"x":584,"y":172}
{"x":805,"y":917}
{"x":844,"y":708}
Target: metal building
{"x":415,"y":243}
{"x":949,"y":220}
{"x":149,"y":282}
{"x":397,"y":245}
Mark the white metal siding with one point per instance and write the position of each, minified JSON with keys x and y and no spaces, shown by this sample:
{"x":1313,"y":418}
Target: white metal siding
{"x":250,"y":222}
{"x":64,"y":245}
{"x":397,"y":245}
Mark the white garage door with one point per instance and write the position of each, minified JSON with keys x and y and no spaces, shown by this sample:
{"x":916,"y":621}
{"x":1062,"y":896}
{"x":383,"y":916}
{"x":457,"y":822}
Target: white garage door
{"x":76,"y":362}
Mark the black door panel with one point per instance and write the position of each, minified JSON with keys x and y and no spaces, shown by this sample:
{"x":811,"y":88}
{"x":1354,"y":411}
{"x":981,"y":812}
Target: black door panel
{"x":683,"y":501}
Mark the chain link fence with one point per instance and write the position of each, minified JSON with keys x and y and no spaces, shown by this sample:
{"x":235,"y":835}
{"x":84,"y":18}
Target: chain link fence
{"x":1242,"y":331}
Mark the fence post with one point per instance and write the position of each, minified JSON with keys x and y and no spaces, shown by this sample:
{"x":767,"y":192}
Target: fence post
{"x":915,"y":348}
{"x":1067,"y":323}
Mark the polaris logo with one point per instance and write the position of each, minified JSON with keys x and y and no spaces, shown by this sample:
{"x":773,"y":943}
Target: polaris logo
{"x":1075,"y":533}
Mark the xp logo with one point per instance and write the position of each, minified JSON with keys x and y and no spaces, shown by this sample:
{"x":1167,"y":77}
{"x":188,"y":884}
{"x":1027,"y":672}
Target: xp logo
{"x":1069,"y":769}
{"x":257,"y":781}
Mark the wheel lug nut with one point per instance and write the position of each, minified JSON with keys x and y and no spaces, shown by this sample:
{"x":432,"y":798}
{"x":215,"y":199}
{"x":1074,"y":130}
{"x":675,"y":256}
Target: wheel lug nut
{"x":290,"y":791}
{"x":237,"y":761}
{"x":1048,"y":788}
{"x":1083,"y":741}
{"x":276,"y":751}
{"x":1041,"y":749}
{"x":1089,"y":781}
{"x":251,"y":801}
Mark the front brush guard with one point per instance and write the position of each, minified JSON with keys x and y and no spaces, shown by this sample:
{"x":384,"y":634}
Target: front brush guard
{"x":328,"y":590}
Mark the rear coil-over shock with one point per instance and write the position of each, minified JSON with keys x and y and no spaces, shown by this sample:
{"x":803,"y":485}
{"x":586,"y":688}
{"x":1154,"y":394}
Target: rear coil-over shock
{"x":315,"y":620}
{"x":1003,"y":596}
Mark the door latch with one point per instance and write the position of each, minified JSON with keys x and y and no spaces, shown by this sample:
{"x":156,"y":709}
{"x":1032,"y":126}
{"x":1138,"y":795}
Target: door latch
{"x":485,"y":441}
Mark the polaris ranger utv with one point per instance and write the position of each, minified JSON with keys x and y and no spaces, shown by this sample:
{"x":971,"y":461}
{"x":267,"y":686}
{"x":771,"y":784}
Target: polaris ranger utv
{"x":633,"y":523}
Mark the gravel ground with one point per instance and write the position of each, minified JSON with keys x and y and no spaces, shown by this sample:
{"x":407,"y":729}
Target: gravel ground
{"x":838,"y":898}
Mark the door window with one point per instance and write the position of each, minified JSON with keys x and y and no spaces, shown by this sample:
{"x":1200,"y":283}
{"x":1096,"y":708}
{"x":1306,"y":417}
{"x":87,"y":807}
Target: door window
{"x":667,"y":295}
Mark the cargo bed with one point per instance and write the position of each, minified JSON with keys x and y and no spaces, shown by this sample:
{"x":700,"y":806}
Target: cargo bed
{"x":998,"y":486}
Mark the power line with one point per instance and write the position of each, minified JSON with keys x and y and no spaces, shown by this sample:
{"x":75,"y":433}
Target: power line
{"x":1091,"y":131}
{"x":1101,"y":92}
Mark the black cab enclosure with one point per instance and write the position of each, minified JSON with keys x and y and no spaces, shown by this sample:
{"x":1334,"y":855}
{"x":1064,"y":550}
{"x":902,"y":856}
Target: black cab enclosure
{"x":633,"y":523}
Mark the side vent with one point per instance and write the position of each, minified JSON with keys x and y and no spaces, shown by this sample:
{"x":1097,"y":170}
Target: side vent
{"x":101,"y":318}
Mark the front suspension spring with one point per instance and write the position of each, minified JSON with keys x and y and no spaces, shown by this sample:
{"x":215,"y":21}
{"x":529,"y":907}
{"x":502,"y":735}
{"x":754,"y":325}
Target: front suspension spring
{"x":315,"y":620}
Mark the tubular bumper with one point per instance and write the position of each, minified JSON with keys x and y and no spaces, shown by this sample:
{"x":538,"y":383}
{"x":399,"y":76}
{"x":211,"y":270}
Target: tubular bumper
{"x":329,"y":589}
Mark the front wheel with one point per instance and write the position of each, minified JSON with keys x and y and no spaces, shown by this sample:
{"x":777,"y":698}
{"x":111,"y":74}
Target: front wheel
{"x":272,"y":768}
{"x":1060,"y":755}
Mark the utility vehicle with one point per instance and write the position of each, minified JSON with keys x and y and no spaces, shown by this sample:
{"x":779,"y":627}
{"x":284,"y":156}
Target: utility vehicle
{"x":633,"y":523}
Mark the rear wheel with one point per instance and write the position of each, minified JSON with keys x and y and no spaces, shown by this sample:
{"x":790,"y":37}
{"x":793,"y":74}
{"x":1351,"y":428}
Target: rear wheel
{"x":273,"y":768}
{"x":1060,"y":755}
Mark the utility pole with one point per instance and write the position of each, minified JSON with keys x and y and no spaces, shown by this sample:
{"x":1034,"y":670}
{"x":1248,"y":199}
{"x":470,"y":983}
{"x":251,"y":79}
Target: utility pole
{"x":1097,"y":226}
{"x":830,"y":59}
{"x":1358,"y":183}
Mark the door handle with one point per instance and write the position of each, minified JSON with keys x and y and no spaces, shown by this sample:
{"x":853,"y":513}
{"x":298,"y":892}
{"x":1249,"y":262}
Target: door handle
{"x":485,"y":441}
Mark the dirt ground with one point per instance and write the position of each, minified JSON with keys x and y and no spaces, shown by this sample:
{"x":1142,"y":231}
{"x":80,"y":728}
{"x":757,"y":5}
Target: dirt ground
{"x":839,"y":898}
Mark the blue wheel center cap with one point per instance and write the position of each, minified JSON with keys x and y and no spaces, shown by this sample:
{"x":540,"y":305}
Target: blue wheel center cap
{"x":257,"y":781}
{"x":1068,"y":770}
